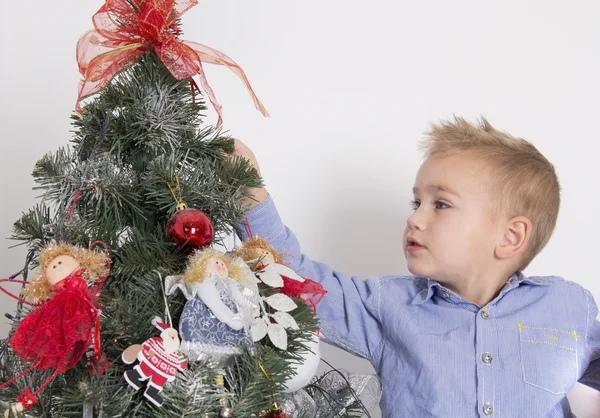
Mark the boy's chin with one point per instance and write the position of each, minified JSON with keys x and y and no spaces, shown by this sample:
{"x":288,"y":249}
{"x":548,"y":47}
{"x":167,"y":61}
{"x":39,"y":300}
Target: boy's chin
{"x":418,"y":270}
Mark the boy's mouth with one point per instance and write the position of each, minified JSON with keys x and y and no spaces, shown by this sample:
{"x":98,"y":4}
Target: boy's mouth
{"x":412,"y":245}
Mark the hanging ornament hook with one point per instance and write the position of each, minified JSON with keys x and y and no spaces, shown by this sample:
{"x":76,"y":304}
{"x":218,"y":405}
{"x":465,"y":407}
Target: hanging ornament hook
{"x":167,"y":312}
{"x":176,"y":192}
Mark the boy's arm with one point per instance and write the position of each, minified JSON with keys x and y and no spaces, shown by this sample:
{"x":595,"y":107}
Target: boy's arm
{"x":349,"y":312}
{"x":591,"y":376}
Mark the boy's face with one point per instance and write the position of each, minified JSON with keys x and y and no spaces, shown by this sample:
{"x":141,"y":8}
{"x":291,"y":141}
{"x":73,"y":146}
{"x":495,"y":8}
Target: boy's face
{"x":452,"y":234}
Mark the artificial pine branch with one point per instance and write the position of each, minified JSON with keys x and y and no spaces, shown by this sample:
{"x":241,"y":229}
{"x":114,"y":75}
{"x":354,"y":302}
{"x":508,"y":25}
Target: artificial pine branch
{"x":33,"y":229}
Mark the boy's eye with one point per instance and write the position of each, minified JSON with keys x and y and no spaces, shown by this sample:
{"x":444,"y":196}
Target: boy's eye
{"x":415,"y":204}
{"x":441,"y":205}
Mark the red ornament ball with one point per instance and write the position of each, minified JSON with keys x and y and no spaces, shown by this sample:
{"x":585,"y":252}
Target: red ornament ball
{"x":277,"y":414}
{"x":190,"y":227}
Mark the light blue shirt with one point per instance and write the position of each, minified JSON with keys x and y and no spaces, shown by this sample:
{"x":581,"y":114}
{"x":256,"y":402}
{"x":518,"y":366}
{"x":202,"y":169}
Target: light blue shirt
{"x":440,"y":356}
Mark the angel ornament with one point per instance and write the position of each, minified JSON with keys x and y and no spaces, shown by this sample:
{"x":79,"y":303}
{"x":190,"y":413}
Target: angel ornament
{"x":216,"y":319}
{"x":269,"y":268}
{"x":65,"y":324}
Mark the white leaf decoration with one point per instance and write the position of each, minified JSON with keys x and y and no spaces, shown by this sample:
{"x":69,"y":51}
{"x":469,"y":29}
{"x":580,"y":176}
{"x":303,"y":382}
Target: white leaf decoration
{"x":271,"y":278}
{"x":278,"y":336}
{"x":258,"y":330}
{"x":285,"y":320}
{"x":281,"y":302}
{"x":286,"y":271}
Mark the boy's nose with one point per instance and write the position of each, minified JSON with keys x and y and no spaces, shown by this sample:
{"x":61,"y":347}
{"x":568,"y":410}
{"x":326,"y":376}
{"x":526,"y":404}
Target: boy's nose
{"x":415,"y":221}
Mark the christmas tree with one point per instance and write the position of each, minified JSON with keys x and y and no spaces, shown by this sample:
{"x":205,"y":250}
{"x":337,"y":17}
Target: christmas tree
{"x":143,"y":177}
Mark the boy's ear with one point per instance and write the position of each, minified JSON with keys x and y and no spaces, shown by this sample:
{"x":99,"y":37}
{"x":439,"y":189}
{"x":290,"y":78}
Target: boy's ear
{"x":517,"y":234}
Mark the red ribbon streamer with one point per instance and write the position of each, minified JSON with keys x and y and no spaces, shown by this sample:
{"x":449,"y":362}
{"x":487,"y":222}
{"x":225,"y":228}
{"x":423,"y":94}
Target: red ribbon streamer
{"x":75,"y":199}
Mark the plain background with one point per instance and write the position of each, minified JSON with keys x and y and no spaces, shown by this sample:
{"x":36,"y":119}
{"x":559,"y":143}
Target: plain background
{"x":351,"y":86}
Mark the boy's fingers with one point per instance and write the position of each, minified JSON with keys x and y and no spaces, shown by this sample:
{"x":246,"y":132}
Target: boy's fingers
{"x":239,"y":148}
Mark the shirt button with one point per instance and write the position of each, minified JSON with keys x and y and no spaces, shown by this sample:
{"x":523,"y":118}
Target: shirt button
{"x":487,"y":358}
{"x":484,"y":314}
{"x":487,"y":409}
{"x":446,"y":295}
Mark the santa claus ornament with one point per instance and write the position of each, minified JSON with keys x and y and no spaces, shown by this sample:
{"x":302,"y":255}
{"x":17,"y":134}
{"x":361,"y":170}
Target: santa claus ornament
{"x":159,"y":360}
{"x":65,"y":324}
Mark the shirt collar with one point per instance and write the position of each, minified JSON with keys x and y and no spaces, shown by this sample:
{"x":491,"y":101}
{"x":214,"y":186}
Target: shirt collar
{"x":517,"y":279}
{"x":425,"y":294}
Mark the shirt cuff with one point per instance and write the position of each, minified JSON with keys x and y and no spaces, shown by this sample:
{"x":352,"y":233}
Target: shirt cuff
{"x":263,"y":220}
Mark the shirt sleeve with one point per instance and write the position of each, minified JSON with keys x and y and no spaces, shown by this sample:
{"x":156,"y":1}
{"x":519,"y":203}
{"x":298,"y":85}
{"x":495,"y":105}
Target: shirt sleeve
{"x":591,"y":376}
{"x":349,"y":312}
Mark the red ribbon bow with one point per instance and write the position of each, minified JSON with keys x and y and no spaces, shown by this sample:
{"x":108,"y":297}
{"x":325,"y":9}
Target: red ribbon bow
{"x":124,"y":31}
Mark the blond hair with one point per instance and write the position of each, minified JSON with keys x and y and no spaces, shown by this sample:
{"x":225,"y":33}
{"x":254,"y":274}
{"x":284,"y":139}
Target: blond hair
{"x":93,"y":264}
{"x":250,"y":250}
{"x":522,"y":181}
{"x":196,"y":268}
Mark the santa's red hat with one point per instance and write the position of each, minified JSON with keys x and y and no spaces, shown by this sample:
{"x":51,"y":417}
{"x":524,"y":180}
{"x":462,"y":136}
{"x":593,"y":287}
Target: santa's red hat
{"x":157,"y":322}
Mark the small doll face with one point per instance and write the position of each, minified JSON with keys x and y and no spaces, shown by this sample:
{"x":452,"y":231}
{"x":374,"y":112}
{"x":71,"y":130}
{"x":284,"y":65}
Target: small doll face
{"x":218,"y":267}
{"x":60,"y":268}
{"x":265,"y":257}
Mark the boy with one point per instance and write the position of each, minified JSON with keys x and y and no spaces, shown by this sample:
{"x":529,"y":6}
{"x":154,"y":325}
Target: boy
{"x":468,"y":335}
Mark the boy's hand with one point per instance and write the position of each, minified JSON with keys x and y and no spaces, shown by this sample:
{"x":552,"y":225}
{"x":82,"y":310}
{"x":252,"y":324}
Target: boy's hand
{"x":256,"y":195}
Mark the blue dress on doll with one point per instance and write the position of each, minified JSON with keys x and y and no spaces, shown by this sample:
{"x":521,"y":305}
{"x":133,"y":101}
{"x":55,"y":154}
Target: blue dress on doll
{"x":203,"y":335}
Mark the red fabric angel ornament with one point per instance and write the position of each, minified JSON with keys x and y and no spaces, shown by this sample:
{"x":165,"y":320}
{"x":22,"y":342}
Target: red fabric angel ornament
{"x":57,"y":334}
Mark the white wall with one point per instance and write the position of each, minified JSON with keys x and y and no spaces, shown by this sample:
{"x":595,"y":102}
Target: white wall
{"x":351,"y":86}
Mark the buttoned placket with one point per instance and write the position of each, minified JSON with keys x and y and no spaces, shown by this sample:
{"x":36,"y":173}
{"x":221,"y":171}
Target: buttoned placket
{"x":486,"y":349}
